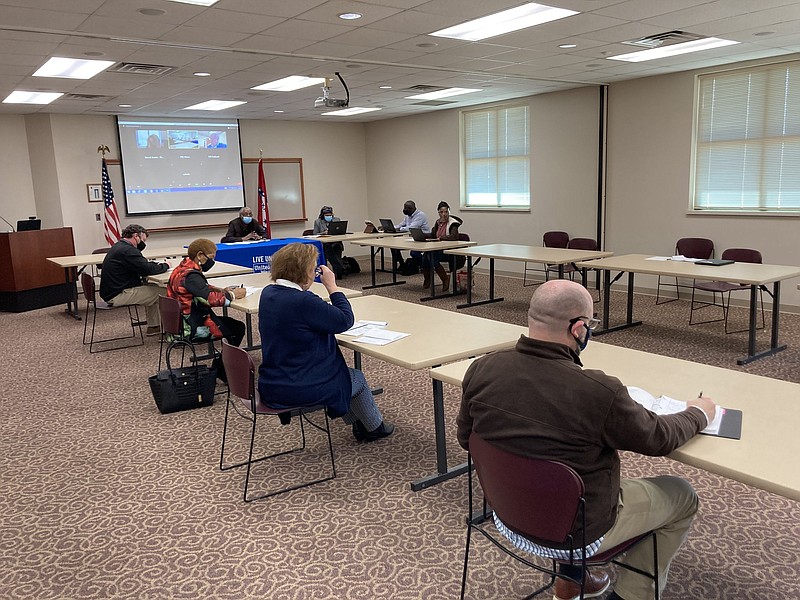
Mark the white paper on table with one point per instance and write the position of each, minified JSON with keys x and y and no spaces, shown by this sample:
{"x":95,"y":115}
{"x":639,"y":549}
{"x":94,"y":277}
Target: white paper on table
{"x":682,"y":258}
{"x":664,"y":405}
{"x":362,"y":327}
{"x":380,"y":337}
{"x":252,"y":290}
{"x":658,"y":258}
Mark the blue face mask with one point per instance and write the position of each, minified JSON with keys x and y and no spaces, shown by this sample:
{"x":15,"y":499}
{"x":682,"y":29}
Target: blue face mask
{"x":247,"y":220}
{"x":328,"y":218}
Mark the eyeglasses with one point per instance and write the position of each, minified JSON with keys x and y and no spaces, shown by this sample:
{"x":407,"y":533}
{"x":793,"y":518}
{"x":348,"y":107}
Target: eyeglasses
{"x":591,"y":322}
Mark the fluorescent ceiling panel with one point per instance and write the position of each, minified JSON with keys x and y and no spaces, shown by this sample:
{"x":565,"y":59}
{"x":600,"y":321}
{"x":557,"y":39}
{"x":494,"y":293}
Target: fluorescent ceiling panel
{"x":72,"y":68}
{"x":505,"y":21}
{"x":346,"y":112}
{"x":198,"y":2}
{"x":290,"y":84}
{"x":20,"y":97}
{"x":673,"y":50}
{"x":455,"y":91}
{"x":215,"y":105}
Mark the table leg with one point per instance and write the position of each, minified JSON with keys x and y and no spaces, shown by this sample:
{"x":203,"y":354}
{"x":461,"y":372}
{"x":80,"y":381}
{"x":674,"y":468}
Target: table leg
{"x":751,"y":342}
{"x":469,"y":286}
{"x":443,"y":473}
{"x":629,"y":322}
{"x":71,"y":277}
{"x":372,"y":252}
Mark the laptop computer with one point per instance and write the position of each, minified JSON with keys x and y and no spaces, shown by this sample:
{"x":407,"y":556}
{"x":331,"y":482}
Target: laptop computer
{"x":388,"y":226}
{"x":419,"y":235}
{"x":337,"y":227}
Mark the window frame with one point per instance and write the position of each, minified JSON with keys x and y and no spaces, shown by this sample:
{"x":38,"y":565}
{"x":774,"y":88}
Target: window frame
{"x":763,"y":142}
{"x":463,"y":160}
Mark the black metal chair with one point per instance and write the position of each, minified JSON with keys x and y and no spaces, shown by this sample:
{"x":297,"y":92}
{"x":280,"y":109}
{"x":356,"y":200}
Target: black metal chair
{"x":540,"y":500}
{"x":93,"y":306}
{"x":551,"y":239}
{"x":169,"y":309}
{"x":690,"y":248}
{"x":244,"y":400}
{"x":745,"y":255}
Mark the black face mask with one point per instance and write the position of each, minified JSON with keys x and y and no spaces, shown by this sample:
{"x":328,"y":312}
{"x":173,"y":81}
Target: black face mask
{"x":207,"y":265}
{"x":141,"y":246}
{"x":408,"y":212}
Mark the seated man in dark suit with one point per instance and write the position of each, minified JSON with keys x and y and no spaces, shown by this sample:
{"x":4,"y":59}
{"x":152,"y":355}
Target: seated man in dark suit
{"x":244,"y":228}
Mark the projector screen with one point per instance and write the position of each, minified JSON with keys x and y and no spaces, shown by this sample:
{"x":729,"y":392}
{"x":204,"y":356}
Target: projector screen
{"x":180,"y":165}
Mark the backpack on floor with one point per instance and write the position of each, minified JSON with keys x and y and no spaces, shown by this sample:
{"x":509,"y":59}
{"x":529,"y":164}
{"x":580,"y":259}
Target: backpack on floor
{"x":350,"y":265}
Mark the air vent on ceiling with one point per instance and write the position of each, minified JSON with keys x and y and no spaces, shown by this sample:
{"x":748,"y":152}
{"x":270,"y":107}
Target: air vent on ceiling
{"x":668,"y":38}
{"x":141,"y":69}
{"x":85,"y":97}
{"x":433,"y":103}
{"x":423,"y":89}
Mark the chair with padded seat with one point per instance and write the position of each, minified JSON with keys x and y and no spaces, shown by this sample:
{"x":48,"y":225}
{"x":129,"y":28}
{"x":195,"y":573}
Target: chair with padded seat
{"x":169,"y":309}
{"x":95,"y":305}
{"x":745,"y":255}
{"x":308,"y":232}
{"x":540,"y":500}
{"x":551,"y":239}
{"x":245,"y":401}
{"x":702,"y":248}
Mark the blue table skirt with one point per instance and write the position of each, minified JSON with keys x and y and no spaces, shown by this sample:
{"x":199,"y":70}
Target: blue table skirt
{"x":258,"y":255}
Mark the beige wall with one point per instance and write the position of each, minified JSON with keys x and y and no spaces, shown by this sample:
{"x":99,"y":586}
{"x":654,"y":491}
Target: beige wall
{"x":17,"y":200}
{"x":418,"y":157}
{"x":649,"y":166}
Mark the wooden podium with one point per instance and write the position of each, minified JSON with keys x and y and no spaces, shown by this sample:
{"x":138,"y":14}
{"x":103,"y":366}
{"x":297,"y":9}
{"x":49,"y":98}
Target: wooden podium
{"x":27,"y":280}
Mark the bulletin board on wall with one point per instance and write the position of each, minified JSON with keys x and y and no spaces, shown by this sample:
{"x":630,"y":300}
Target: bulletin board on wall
{"x":285,"y":195}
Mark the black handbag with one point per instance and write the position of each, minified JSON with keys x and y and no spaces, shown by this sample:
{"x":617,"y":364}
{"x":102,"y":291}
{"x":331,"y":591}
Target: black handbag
{"x":183,"y":388}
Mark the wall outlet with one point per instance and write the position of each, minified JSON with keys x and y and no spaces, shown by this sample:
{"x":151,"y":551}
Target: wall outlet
{"x":97,"y":217}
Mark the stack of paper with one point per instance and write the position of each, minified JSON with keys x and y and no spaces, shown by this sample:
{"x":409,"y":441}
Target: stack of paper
{"x":664,"y":405}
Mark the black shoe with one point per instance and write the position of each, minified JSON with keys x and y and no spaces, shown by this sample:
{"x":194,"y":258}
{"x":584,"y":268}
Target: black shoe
{"x":384,"y":430}
{"x":359,"y":432}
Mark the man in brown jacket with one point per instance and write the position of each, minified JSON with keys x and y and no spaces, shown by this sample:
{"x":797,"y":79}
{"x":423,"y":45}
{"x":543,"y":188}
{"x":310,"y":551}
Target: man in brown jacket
{"x":536,"y":400}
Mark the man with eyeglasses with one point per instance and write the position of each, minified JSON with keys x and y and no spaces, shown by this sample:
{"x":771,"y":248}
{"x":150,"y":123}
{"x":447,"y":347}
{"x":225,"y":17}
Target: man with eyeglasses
{"x":536,"y":400}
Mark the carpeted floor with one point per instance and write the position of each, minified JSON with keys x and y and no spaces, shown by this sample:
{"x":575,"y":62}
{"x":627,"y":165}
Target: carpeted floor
{"x":103,"y":497}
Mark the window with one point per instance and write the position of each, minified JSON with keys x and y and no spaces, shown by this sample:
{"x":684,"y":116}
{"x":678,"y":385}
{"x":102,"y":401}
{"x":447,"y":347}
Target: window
{"x":496,"y":158}
{"x":747,"y":140}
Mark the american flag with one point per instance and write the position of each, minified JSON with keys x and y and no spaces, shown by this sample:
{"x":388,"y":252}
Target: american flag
{"x":111,"y":226}
{"x":263,"y":205}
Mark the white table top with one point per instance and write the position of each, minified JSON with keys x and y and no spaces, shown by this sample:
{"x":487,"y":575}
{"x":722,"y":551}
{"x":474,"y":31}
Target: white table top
{"x":436,"y":336}
{"x":553,"y":256}
{"x":249,"y":304}
{"x":747,"y":273}
{"x":96,"y":259}
{"x":350,"y":237}
{"x":220,"y":269}
{"x":765,"y":455}
{"x":407,"y":243}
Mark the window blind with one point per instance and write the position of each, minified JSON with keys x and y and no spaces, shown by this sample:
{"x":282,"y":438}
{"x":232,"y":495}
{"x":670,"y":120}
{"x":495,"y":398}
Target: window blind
{"x":747,"y":140}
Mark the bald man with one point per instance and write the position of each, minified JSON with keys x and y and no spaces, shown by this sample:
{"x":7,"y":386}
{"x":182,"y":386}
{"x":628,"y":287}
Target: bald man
{"x":536,"y":400}
{"x":244,"y":228}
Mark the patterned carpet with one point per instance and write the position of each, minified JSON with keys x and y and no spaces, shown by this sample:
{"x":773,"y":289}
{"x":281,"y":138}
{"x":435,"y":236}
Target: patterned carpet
{"x":103,"y":497}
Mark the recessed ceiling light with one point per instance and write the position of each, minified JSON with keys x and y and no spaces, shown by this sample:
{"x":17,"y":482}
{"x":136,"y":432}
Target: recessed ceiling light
{"x":289,"y":84}
{"x":278,"y":111}
{"x":72,"y":68}
{"x":565,"y":46}
{"x":349,"y":16}
{"x":215,"y":105}
{"x":673,"y":50}
{"x":125,"y":105}
{"x":152,"y":12}
{"x":201,"y":74}
{"x":197,"y":2}
{"x":346,"y":112}
{"x":505,"y":21}
{"x":455,"y":91}
{"x":385,"y":87}
{"x":20,"y":97}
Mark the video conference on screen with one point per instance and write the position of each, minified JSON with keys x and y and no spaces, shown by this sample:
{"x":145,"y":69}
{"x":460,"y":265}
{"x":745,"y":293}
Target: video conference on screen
{"x":171,"y":165}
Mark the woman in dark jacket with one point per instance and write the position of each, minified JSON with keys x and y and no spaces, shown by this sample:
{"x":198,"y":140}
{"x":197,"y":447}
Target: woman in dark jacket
{"x":301,"y":361}
{"x":333,"y":250}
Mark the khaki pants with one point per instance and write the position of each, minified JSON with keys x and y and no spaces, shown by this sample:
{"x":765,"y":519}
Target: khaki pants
{"x":664,"y":504}
{"x":144,"y":295}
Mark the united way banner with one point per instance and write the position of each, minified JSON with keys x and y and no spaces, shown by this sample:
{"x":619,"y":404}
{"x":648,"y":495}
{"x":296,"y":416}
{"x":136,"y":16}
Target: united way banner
{"x":258,"y":255}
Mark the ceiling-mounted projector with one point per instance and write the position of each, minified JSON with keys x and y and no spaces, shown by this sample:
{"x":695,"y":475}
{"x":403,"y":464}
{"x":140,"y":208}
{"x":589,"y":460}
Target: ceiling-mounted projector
{"x":325,"y":101}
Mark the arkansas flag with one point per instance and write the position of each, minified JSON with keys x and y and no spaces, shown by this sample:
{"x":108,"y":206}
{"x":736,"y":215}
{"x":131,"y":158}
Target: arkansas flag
{"x":111,"y":226}
{"x":263,"y":204}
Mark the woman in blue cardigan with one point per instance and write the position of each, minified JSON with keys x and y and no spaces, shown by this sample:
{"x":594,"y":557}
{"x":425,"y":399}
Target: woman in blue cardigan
{"x":301,"y":361}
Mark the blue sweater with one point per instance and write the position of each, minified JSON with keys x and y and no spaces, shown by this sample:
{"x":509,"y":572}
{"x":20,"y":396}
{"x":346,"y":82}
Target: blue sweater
{"x":301,"y":361}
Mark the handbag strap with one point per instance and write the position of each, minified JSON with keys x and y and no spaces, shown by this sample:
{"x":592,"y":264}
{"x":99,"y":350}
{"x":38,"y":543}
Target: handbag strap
{"x":183,"y":343}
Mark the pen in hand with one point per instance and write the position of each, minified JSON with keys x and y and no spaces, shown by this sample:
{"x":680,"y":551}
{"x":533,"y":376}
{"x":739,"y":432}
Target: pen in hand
{"x":700,"y":395}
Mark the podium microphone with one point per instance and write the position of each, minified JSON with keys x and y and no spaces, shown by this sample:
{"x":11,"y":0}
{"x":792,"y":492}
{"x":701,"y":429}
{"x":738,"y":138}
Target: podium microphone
{"x":7,"y":223}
